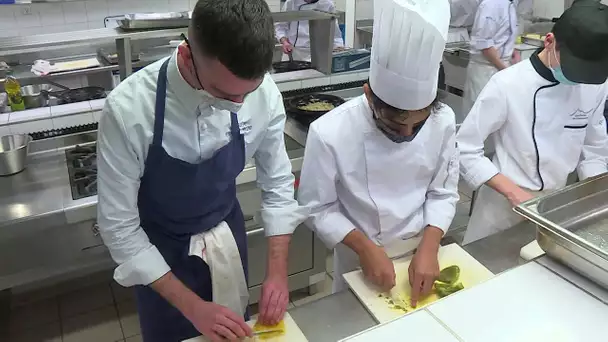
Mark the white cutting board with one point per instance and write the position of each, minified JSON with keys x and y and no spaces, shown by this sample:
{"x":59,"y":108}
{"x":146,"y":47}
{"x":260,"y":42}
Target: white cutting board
{"x":419,"y":326}
{"x":471,"y":274}
{"x":526,"y":304}
{"x":292,"y":333}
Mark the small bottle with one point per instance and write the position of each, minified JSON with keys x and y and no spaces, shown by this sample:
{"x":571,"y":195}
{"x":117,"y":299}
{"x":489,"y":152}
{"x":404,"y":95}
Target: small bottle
{"x":13,"y":89}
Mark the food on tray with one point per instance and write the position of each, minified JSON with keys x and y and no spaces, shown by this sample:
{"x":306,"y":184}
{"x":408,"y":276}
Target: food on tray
{"x":265,"y":332}
{"x":445,"y":285}
{"x":444,"y":290}
{"x":317,"y":106}
{"x":449,"y":275}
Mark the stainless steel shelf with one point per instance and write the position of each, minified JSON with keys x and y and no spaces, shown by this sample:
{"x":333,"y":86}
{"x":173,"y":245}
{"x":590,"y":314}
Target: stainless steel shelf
{"x":26,"y":44}
{"x":279,"y":17}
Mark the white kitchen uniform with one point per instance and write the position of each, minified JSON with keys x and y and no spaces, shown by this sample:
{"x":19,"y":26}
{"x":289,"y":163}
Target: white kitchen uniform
{"x":298,"y":31}
{"x":193,"y":131}
{"x":542,"y":131}
{"x":354,"y":177}
{"x":463,"y":12}
{"x":495,"y":26}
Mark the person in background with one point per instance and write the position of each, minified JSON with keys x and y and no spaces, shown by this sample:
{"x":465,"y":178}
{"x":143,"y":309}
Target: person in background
{"x":170,"y":147}
{"x":463,"y":12}
{"x":294,"y":36}
{"x":492,"y":45}
{"x":545,"y":117}
{"x":380,"y":172}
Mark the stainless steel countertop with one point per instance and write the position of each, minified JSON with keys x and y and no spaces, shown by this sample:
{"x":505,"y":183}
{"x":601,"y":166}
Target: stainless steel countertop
{"x":42,"y":194}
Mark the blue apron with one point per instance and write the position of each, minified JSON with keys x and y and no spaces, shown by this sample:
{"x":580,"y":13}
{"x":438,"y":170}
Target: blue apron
{"x":177,"y":200}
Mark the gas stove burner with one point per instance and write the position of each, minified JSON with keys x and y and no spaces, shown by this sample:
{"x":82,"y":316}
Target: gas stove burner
{"x":82,"y":169}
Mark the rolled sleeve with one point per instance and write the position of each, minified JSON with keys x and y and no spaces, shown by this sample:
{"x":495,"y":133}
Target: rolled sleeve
{"x":280,"y":212}
{"x":442,"y":195}
{"x":485,"y":28}
{"x":317,"y":192}
{"x":594,"y":157}
{"x":119,"y":172}
{"x":475,"y":168}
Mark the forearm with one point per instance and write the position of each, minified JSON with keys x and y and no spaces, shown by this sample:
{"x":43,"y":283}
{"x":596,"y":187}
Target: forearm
{"x":278,"y":255}
{"x":492,"y":55}
{"x":357,"y":241}
{"x":176,"y":293}
{"x":431,"y":238}
{"x":503,"y":185}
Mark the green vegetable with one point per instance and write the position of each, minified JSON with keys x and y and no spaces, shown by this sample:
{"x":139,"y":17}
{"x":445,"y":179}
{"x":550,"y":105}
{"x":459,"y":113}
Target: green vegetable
{"x":444,"y":290}
{"x":449,"y":275}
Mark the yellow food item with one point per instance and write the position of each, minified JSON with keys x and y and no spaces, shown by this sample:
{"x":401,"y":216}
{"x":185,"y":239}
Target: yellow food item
{"x":267,"y":332}
{"x":319,"y":106}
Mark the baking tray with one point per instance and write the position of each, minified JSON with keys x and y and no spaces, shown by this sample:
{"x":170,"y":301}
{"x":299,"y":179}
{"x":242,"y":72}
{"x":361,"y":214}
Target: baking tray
{"x":560,"y":215}
{"x":146,"y":21}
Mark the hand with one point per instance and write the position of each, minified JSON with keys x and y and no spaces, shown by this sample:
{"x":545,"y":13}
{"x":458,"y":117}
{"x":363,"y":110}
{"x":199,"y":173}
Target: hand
{"x":274,"y":301}
{"x":377,"y":267}
{"x":519,"y":196}
{"x":423,"y":271}
{"x":287,"y":47}
{"x":515,"y":57}
{"x":217,"y":322}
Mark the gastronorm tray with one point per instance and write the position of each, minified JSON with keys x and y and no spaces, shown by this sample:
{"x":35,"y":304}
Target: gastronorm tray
{"x":559,"y":215}
{"x":143,"y":21}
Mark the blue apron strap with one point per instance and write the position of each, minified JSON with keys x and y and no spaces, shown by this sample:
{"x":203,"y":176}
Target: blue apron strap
{"x":161,"y":99}
{"x":234,"y":125}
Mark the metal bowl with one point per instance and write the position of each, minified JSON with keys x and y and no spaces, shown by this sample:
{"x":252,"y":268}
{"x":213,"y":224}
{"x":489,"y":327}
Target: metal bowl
{"x":35,"y":95}
{"x":13,"y":153}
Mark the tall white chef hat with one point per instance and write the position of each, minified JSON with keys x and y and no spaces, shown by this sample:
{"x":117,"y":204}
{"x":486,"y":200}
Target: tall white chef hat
{"x":408,"y":42}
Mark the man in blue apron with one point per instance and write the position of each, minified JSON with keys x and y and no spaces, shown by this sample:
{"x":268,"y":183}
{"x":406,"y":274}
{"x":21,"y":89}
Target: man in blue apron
{"x":170,"y":147}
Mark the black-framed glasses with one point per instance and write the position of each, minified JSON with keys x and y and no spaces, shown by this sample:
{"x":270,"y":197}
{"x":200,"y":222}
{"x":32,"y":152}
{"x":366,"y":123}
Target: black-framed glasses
{"x":198,"y":79}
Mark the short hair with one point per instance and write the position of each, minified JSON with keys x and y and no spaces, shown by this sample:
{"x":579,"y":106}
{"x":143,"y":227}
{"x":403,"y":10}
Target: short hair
{"x":394,"y":112}
{"x":238,"y":33}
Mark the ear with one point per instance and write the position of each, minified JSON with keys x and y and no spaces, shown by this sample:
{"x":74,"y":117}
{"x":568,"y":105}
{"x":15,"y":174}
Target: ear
{"x":184,"y":52}
{"x":549,"y":41}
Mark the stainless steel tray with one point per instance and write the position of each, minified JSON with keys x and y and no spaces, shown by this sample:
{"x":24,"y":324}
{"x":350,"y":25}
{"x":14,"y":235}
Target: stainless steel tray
{"x":562,"y":213}
{"x":145,"y":21}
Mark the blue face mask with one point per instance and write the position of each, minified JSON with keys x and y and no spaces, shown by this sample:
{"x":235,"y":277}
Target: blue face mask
{"x":558,"y":73}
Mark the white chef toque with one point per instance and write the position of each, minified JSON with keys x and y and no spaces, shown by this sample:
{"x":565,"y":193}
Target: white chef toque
{"x":408,"y":42}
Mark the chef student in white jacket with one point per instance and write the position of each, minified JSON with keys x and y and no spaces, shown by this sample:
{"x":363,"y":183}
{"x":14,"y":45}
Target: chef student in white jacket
{"x":492,"y":45}
{"x":380,"y":172}
{"x":294,"y":36}
{"x":545,"y":117}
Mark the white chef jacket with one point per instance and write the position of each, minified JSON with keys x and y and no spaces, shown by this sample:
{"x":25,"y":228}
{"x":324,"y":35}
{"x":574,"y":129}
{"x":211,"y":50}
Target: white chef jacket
{"x":495,"y":26}
{"x":531,"y":118}
{"x":463,"y":12}
{"x":354,"y":177}
{"x":193,"y":131}
{"x":300,"y":29}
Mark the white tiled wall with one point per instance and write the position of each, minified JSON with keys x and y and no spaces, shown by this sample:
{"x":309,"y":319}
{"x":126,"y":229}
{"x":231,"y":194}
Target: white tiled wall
{"x":81,"y":15}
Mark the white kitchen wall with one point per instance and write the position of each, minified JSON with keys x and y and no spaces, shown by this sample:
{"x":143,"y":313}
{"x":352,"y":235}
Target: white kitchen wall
{"x":81,"y":15}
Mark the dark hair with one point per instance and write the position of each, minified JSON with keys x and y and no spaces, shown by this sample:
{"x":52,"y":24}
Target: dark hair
{"x":396,"y":112}
{"x":238,"y":33}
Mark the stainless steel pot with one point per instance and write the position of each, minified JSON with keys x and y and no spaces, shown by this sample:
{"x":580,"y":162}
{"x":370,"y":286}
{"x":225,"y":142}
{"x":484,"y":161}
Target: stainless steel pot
{"x":35,"y":95}
{"x":13,"y":153}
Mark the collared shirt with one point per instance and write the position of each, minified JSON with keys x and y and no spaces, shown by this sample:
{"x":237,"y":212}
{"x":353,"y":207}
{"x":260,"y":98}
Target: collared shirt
{"x":193,"y":131}
{"x":495,"y":26}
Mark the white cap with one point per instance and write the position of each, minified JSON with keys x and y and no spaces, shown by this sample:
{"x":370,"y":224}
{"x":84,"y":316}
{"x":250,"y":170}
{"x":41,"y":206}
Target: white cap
{"x":408,"y":42}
